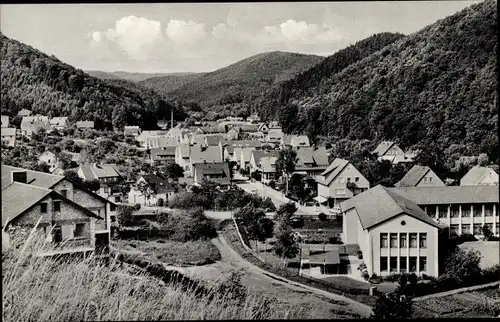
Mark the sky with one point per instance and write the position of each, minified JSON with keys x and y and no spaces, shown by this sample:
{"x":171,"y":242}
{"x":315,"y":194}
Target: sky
{"x":200,"y":37}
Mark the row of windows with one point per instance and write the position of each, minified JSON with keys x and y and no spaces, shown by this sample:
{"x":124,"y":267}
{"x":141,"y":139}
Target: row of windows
{"x":405,"y":264}
{"x":56,"y":206}
{"x":442,"y":212}
{"x":72,"y":232}
{"x":348,"y":179}
{"x":477,"y":228}
{"x":403,"y":240}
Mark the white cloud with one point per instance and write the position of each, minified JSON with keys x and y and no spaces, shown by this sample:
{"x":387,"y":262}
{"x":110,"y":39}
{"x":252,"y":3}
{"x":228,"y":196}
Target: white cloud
{"x":299,"y":31}
{"x":133,"y":35}
{"x":185,"y":32}
{"x":220,"y":31}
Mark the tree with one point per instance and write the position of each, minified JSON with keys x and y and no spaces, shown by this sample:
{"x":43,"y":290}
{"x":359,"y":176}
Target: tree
{"x":93,"y":185}
{"x":285,"y":163}
{"x":145,"y":189}
{"x":286,"y":245}
{"x":393,"y":306}
{"x":125,"y":216}
{"x":462,"y":266}
{"x":483,"y":160}
{"x":64,"y":160}
{"x":172,"y":170}
{"x":285,"y":212}
{"x":487,"y":233}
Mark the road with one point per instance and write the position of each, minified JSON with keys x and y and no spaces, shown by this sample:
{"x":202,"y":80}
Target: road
{"x":279,"y":199}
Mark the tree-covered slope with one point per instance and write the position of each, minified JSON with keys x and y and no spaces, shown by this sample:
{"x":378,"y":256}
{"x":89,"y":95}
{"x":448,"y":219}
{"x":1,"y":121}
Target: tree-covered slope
{"x":245,"y":79}
{"x":437,"y":86}
{"x":133,"y":77}
{"x":33,"y":80}
{"x":167,"y":83}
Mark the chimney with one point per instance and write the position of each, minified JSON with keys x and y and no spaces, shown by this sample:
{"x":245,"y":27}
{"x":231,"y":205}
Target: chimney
{"x":20,"y":176}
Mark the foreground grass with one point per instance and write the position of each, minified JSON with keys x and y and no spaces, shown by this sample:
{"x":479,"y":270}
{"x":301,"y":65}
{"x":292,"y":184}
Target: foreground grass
{"x":43,"y":289}
{"x":170,"y":252}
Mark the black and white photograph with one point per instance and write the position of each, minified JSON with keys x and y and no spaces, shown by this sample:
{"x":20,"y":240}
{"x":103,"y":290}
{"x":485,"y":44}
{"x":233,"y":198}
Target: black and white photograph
{"x":249,"y":160}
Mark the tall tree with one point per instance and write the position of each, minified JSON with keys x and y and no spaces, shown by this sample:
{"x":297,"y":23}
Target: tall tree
{"x":285,"y":164}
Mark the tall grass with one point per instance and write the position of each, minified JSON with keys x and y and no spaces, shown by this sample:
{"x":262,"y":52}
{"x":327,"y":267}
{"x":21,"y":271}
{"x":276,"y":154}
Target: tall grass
{"x":47,"y":289}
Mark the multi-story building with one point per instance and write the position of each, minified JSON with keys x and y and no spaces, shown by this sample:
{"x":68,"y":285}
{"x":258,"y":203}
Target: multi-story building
{"x":311,"y":161}
{"x":217,"y":172}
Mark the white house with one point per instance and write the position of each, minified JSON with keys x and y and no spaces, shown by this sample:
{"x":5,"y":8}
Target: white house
{"x":478,"y":176}
{"x":339,"y":182}
{"x":59,"y":123}
{"x":393,"y":233}
{"x":49,"y":158}
{"x":389,"y":150}
{"x":30,"y":124}
{"x":160,"y":190}
{"x":5,"y":121}
{"x":8,"y":135}
{"x":420,"y":176}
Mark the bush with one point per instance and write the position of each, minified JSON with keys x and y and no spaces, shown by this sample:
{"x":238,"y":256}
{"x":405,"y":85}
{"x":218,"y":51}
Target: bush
{"x":365,"y":275}
{"x":125,"y":216}
{"x":137,"y":207}
{"x":322,"y":217}
{"x":272,"y":184}
{"x":360,"y":254}
{"x":189,"y":225}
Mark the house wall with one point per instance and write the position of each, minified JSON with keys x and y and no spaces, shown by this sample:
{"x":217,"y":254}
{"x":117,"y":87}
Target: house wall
{"x":9,"y":139}
{"x":340,"y":182}
{"x":490,"y":178}
{"x":350,"y":228}
{"x":412,"y":225}
{"x":430,"y":180}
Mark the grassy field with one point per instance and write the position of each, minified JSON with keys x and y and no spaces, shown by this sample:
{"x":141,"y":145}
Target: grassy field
{"x":173,"y":253}
{"x":476,"y":304}
{"x":41,"y":289}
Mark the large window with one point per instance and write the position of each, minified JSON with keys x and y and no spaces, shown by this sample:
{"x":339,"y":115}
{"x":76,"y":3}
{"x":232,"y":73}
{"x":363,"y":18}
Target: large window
{"x":356,"y":179}
{"x":57,"y":206}
{"x":454,"y":211}
{"x":454,"y":230}
{"x":431,"y":211}
{"x":488,"y":210}
{"x":413,"y":240}
{"x":43,"y":207}
{"x":383,"y":240}
{"x":478,"y":210}
{"x":466,"y":229}
{"x":394,"y":264}
{"x":465,"y":210}
{"x":79,"y":230}
{"x":403,"y":242}
{"x":489,"y":226}
{"x":383,"y":264}
{"x":64,"y":193}
{"x":402,"y":264}
{"x":423,"y":264}
{"x":477,"y":229}
{"x":413,"y":264}
{"x":423,"y":240}
{"x":443,"y":212}
{"x":394,"y":240}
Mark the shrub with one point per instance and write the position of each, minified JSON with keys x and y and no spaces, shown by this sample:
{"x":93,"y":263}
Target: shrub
{"x":190,"y":225}
{"x":322,"y":217}
{"x":137,"y":207}
{"x":272,"y":184}
{"x":365,"y":275}
{"x":125,"y":216}
{"x":360,"y":254}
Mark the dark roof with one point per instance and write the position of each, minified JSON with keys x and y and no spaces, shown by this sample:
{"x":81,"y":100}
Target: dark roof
{"x":310,"y":155}
{"x":162,"y":184}
{"x":35,"y":178}
{"x":205,"y":154}
{"x":99,"y":171}
{"x":333,"y":170}
{"x":449,"y":194}
{"x":249,"y":128}
{"x":383,"y":147}
{"x":328,"y":257}
{"x":380,"y":204}
{"x":214,"y":139}
{"x":222,"y":168}
{"x":159,"y":153}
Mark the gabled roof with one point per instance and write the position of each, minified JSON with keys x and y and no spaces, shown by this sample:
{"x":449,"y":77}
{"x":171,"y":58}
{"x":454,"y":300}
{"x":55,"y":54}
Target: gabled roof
{"x":24,"y":112}
{"x":161,"y":184}
{"x":8,"y":131}
{"x":207,"y":154}
{"x":259,"y":154}
{"x":34,"y":122}
{"x":220,"y":168}
{"x":19,"y":197}
{"x":333,"y":170}
{"x":35,"y":178}
{"x":476,"y":174}
{"x":85,"y":124}
{"x":247,"y":153}
{"x":383,"y":147}
{"x":296,"y":140}
{"x":249,"y":128}
{"x":59,"y":121}
{"x":413,"y":176}
{"x":268,"y":163}
{"x":316,"y":157}
{"x":161,"y":141}
{"x":380,"y":204}
{"x":159,"y":153}
{"x":47,"y":152}
{"x":230,"y":145}
{"x":213,"y":129}
{"x":214,"y":139}
{"x":449,"y":194}
{"x":99,"y":171}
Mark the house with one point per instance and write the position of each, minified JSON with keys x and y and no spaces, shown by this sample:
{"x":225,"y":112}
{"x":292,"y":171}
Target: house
{"x":160,"y":190}
{"x":31,"y":124}
{"x":8,"y":135}
{"x":65,"y":188}
{"x":275,"y":135}
{"x":253,"y":118}
{"x":162,"y":156}
{"x":230,"y":148}
{"x":183,"y":156}
{"x":339,"y":182}
{"x":257,"y":155}
{"x":59,"y":123}
{"x":5,"y":121}
{"x":295,"y":140}
{"x":420,"y":176}
{"x":478,"y":176}
{"x":211,"y":130}
{"x":389,"y":150}
{"x":233,"y":133}
{"x":267,"y":166}
{"x":132,"y":130}
{"x":24,"y":112}
{"x":311,"y":161}
{"x":50,"y":159}
{"x":162,"y":141}
{"x":217,"y":172}
{"x":204,"y":154}
{"x":85,"y":124}
{"x":108,"y":177}
{"x":214,"y":140}
{"x":393,"y":233}
{"x":245,"y":155}
{"x":464,"y":209}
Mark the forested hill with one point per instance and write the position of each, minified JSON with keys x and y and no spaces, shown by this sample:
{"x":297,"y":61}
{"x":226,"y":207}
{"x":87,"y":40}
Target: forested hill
{"x":167,"y":83}
{"x":133,"y":77}
{"x":308,"y":81}
{"x":33,"y":80}
{"x":245,"y":79}
{"x":436,"y":86}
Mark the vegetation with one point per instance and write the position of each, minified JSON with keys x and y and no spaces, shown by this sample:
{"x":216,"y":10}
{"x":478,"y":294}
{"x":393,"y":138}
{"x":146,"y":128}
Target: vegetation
{"x":286,"y":244}
{"x":285,"y":164}
{"x":396,"y":305}
{"x":164,"y":84}
{"x":33,"y":80}
{"x":257,"y":226}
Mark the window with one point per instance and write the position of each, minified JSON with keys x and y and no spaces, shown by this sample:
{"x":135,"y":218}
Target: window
{"x":422,"y":267}
{"x":402,"y":264}
{"x":394,"y":240}
{"x":383,"y":240}
{"x":403,"y":223}
{"x":478,"y":211}
{"x":489,"y":226}
{"x":117,"y":199}
{"x":477,"y":229}
{"x":488,"y":210}
{"x":466,"y":211}
{"x":79,"y":230}
{"x":112,"y":207}
{"x":413,"y":264}
{"x":383,"y":264}
{"x":423,"y":240}
{"x":413,"y":240}
{"x":348,"y":179}
{"x":443,"y":212}
{"x":43,"y":207}
{"x":425,"y":179}
{"x":403,"y":242}
{"x":454,"y":211}
{"x":106,"y":190}
{"x":394,"y":264}
{"x":430,"y":179}
{"x":431,"y":211}
{"x":356,"y":179}
{"x":341,"y":179}
{"x":341,"y":192}
{"x":57,"y":234}
{"x":64,"y":193}
{"x":454,"y":230}
{"x":466,"y":229}
{"x":57,"y":206}
{"x":496,"y":225}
